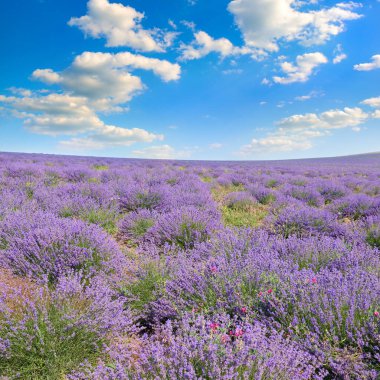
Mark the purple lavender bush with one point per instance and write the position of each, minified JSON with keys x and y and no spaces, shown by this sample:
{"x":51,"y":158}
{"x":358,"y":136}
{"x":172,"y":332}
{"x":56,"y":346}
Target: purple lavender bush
{"x":306,"y":221}
{"x":43,"y":246}
{"x":183,"y":227}
{"x":138,"y":269}
{"x":47,"y":334}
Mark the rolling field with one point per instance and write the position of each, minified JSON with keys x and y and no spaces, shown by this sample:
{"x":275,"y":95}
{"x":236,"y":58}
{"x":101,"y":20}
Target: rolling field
{"x":137,"y":269}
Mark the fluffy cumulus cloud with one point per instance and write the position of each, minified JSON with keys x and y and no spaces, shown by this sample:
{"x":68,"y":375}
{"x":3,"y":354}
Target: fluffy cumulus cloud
{"x":310,"y":95}
{"x":161,"y":152}
{"x":276,"y":143}
{"x":332,"y":119}
{"x":374,"y":64}
{"x":121,"y":26}
{"x":53,"y":114}
{"x":266,"y":23}
{"x":62,"y":114}
{"x":297,"y":132}
{"x":339,"y":55}
{"x":105,"y":78}
{"x":93,"y":83}
{"x":110,"y":136}
{"x":204,"y":44}
{"x":302,"y":69}
{"x":339,"y":58}
{"x":374,"y":103}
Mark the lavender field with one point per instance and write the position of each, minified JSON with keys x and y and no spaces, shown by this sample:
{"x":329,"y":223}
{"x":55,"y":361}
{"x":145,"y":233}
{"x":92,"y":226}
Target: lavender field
{"x":138,"y":269}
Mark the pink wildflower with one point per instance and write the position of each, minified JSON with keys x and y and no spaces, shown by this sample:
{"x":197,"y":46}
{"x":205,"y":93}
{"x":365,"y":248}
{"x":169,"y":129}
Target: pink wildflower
{"x":214,"y":326}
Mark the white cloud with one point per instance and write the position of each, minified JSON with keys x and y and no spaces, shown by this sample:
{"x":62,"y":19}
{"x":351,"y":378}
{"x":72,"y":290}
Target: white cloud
{"x":310,"y":95}
{"x":172,"y":24}
{"x":302,"y":70}
{"x":189,"y":24}
{"x":61,"y":114}
{"x":54,"y":114}
{"x":375,"y":64}
{"x":266,"y":23}
{"x":105,"y":78}
{"x":95,"y":82}
{"x":204,"y":44}
{"x":372,"y":102}
{"x":120,"y":25}
{"x":339,"y":58}
{"x":339,"y":54}
{"x":332,"y":119}
{"x":274,"y":143}
{"x":161,"y":152}
{"x":20,"y":91}
{"x":110,"y":136}
{"x":298,"y":131}
{"x":47,"y":76}
{"x":232,"y":72}
{"x":216,"y":146}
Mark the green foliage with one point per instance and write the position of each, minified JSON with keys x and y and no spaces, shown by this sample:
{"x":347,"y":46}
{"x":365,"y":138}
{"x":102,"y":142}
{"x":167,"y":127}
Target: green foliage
{"x":29,"y":190}
{"x":172,"y":181}
{"x":373,"y":238}
{"x":189,"y":232}
{"x":220,"y":192}
{"x":149,"y":283}
{"x":148,"y":200}
{"x":272,"y":183}
{"x":101,"y":167}
{"x":56,"y":348}
{"x":52,"y":179}
{"x":141,"y":226}
{"x":206,"y":179}
{"x":93,"y":180}
{"x":268,"y":199}
{"x":316,"y":259}
{"x":243,"y":217}
{"x":105,"y":218}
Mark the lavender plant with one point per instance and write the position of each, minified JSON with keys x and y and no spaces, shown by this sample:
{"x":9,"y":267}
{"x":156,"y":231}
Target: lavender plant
{"x":138,"y":269}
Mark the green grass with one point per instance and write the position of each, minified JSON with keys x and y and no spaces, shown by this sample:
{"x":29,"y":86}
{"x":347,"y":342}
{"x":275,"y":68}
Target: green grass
{"x":105,"y":218}
{"x":141,"y":227}
{"x":206,"y":179}
{"x":244,"y":217}
{"x":93,"y":180}
{"x":220,"y":192}
{"x":54,"y":349}
{"x":101,"y":167}
{"x":373,"y":239}
{"x":272,"y":183}
{"x":150,"y":282}
{"x":241,"y":214}
{"x":190,"y":232}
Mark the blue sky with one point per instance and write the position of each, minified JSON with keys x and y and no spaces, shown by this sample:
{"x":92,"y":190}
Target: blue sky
{"x":190,"y":79}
